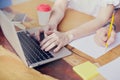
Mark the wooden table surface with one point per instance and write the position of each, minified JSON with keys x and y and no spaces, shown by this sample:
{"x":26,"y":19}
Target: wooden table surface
{"x":62,"y":69}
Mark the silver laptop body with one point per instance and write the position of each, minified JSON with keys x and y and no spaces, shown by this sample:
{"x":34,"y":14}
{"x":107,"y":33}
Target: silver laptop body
{"x":10,"y":33}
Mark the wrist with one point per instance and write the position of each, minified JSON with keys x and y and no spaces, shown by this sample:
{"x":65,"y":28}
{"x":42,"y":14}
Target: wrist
{"x":70,"y":36}
{"x":52,"y":26}
{"x":113,"y":25}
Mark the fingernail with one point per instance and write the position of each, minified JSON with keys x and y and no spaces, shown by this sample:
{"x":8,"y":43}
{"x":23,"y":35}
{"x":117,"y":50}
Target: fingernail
{"x":46,"y":50}
{"x":54,"y":51}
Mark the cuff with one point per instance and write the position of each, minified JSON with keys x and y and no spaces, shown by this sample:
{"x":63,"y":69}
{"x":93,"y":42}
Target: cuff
{"x":113,"y":2}
{"x":113,"y":25}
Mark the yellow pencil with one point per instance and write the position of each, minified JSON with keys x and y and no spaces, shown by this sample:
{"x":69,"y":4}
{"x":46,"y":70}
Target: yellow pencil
{"x":110,"y":29}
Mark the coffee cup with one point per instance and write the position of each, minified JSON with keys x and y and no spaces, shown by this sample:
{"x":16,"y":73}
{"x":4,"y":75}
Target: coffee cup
{"x":44,"y":11}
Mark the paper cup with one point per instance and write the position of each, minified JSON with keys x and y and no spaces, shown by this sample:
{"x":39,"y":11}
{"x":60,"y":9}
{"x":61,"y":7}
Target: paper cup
{"x":44,"y":11}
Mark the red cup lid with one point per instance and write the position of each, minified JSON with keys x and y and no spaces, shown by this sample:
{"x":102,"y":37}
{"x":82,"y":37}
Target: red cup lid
{"x":44,"y":7}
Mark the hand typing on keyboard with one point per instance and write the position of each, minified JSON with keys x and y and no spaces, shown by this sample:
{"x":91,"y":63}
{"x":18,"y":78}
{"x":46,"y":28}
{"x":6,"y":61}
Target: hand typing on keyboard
{"x":40,"y":35}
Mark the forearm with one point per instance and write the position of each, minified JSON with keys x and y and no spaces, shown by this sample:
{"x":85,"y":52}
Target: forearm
{"x":87,"y":28}
{"x":58,"y":12}
{"x":91,"y":26}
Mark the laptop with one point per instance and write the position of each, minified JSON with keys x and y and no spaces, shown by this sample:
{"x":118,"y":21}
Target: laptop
{"x":26,"y":46}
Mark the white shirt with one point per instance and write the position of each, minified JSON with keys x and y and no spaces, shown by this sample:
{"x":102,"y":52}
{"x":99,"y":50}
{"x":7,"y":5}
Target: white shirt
{"x":91,"y":7}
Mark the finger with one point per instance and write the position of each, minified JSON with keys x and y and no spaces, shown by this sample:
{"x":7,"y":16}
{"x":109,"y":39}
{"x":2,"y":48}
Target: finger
{"x":47,"y":39}
{"x":99,"y":41}
{"x":58,"y":48}
{"x":102,"y":43}
{"x":112,"y":38}
{"x":49,"y":32}
{"x":37,"y":34}
{"x":100,"y":38}
{"x":48,"y":43}
{"x":103,"y":35}
{"x":100,"y":33}
{"x":51,"y":46}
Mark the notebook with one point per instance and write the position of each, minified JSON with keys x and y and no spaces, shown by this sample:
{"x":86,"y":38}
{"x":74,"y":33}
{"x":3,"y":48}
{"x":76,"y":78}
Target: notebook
{"x":27,"y":47}
{"x":88,"y":46}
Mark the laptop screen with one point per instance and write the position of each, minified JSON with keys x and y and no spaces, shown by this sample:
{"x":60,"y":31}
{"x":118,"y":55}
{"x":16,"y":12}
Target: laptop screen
{"x":10,"y":33}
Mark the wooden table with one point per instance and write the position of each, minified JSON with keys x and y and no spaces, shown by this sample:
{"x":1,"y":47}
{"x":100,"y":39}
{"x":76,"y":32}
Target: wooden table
{"x":62,"y":69}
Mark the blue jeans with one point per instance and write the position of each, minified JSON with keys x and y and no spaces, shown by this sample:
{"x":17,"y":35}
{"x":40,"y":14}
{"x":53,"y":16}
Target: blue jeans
{"x":5,"y":3}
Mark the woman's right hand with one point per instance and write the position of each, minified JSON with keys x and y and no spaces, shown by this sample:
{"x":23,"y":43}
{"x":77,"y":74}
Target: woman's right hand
{"x":101,"y":36}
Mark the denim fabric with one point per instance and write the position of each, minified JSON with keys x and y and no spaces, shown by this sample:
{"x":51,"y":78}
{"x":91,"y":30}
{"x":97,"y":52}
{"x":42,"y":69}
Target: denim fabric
{"x":5,"y":3}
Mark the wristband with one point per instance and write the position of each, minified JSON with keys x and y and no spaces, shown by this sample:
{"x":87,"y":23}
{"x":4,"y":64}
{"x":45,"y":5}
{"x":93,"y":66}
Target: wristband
{"x":113,"y":25}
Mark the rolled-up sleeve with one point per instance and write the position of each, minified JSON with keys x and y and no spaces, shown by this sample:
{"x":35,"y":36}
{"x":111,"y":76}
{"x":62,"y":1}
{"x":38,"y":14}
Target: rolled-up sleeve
{"x":5,"y":3}
{"x":115,"y":3}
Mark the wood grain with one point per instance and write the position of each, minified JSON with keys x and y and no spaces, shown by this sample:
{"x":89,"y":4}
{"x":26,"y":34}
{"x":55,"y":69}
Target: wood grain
{"x":60,"y":69}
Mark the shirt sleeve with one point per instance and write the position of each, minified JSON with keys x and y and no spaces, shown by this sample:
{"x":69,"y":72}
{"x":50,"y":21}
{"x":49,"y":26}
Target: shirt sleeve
{"x":113,"y":2}
{"x":5,"y":3}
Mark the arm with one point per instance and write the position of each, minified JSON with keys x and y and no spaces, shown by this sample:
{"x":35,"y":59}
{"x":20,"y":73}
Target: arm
{"x":57,"y":14}
{"x":58,"y":11}
{"x":62,"y":38}
{"x":93,"y":25}
{"x":101,"y":34}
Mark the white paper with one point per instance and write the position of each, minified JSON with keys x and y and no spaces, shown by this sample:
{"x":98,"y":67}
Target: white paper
{"x":88,"y":46}
{"x":111,"y":71}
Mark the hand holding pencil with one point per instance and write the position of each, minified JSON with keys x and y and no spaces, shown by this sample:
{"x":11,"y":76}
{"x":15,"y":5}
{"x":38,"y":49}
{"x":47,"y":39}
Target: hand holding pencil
{"x":106,"y":35}
{"x":110,"y":30}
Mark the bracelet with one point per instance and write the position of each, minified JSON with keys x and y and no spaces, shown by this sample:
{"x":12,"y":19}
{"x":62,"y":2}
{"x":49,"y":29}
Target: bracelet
{"x":114,"y":26}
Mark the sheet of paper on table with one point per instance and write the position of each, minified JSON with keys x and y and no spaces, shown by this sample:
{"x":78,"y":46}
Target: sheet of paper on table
{"x":111,"y":71}
{"x":88,"y":46}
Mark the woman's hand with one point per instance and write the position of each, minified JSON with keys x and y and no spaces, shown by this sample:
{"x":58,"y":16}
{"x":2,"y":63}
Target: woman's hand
{"x":101,"y":37}
{"x":56,"y":40}
{"x":46,"y":30}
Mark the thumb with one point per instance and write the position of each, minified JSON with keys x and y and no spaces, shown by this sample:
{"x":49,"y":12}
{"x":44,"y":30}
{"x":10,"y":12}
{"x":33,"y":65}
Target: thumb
{"x":49,"y":32}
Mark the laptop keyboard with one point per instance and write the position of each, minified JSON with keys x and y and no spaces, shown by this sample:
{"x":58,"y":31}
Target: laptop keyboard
{"x":31,"y":48}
